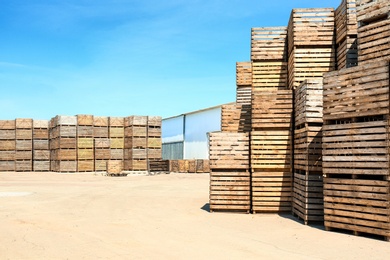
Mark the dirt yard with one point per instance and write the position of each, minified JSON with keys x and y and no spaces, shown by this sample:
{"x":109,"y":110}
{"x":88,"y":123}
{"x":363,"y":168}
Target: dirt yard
{"x":86,"y":216}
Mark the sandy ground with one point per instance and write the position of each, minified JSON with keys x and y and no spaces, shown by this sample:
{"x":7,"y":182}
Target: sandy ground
{"x":86,"y":216}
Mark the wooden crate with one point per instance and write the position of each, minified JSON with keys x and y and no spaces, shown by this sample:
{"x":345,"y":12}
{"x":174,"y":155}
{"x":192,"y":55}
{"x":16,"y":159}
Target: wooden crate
{"x":308,"y":202}
{"x":347,"y":53}
{"x":136,"y":121}
{"x":7,"y":134}
{"x":116,"y":121}
{"x":244,"y":95}
{"x":66,"y":155}
{"x":7,"y":145}
{"x":23,"y":134}
{"x":154,"y":142}
{"x":345,"y":20}
{"x":41,"y":166}
{"x":154,"y":131}
{"x":155,"y":153}
{"x":85,"y":142}
{"x":117,"y":143}
{"x":100,"y":165}
{"x":372,"y":10}
{"x":23,"y":166}
{"x":7,"y":155}
{"x":116,"y":154}
{"x":23,"y":155}
{"x":229,"y":150}
{"x":308,"y":102}
{"x":243,"y":73}
{"x":136,"y":131}
{"x":85,"y":154}
{"x":183,"y":166}
{"x":230,"y":190}
{"x":7,"y":166}
{"x":271,"y":190}
{"x":360,"y":205}
{"x":40,"y":133}
{"x":308,"y":148}
{"x":85,"y":120}
{"x":41,"y":155}
{"x":269,"y":75}
{"x":23,"y":123}
{"x":311,"y":27}
{"x":63,"y":143}
{"x":85,"y":131}
{"x":130,"y":154}
{"x":65,"y":120}
{"x":100,"y":132}
{"x":100,"y":121}
{"x":159,"y":165}
{"x":64,"y":166}
{"x":136,"y":165}
{"x":359,"y":148}
{"x":272,"y":109}
{"x":271,"y":149}
{"x":24,"y":145}
{"x":7,"y":125}
{"x":202,"y":166}
{"x":65,"y":131}
{"x":41,"y":144}
{"x":236,"y":118}
{"x":40,"y":124}
{"x":114,"y":167}
{"x":155,"y":121}
{"x":269,"y":43}
{"x":357,"y":92}
{"x":174,"y":165}
{"x":85,"y":165}
{"x":102,"y":143}
{"x":102,"y":153}
{"x":374,"y":41}
{"x":136,"y":142}
{"x":116,"y":132}
{"x":306,"y":63}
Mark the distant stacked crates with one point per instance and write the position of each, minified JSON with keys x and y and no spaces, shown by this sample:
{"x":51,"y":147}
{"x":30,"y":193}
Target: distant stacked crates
{"x":24,"y":144}
{"x":101,"y":143}
{"x":41,"y":151}
{"x":85,"y":143}
{"x":7,"y":145}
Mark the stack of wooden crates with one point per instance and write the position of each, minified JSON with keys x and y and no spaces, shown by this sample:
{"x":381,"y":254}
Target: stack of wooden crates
{"x":271,"y":146}
{"x":85,"y":143}
{"x":23,"y":139}
{"x":101,"y":143}
{"x":41,"y":151}
{"x":7,"y":145}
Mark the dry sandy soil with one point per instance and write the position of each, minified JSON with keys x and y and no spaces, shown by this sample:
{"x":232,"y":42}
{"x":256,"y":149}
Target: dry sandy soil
{"x":86,"y":216}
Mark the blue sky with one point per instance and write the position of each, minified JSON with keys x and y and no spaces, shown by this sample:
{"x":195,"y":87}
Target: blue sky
{"x":125,"y":57}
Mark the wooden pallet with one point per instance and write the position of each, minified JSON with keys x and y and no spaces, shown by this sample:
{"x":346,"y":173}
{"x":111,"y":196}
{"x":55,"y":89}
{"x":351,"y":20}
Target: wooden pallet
{"x":269,"y":43}
{"x":271,"y":190}
{"x":372,"y":10}
{"x":272,"y":109}
{"x":347,"y":52}
{"x":311,"y":27}
{"x":269,"y":75}
{"x":356,"y":92}
{"x":306,"y":63}
{"x":308,"y":148}
{"x":271,"y":149}
{"x":244,"y":95}
{"x":230,"y":190}
{"x":345,"y":20}
{"x":308,"y":102}
{"x":236,"y":118}
{"x":308,"y":203}
{"x":359,"y":205}
{"x":244,"y":73}
{"x":159,"y":165}
{"x":359,"y":148}
{"x":229,"y":150}
{"x":374,"y":41}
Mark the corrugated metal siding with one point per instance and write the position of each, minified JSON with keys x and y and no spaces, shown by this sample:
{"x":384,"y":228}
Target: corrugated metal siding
{"x":172,"y":151}
{"x":172,"y":129}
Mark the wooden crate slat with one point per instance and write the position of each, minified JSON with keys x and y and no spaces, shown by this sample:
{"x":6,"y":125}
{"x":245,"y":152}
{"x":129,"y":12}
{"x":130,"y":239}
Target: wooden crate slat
{"x":345,"y":20}
{"x":369,"y":10}
{"x":269,"y":43}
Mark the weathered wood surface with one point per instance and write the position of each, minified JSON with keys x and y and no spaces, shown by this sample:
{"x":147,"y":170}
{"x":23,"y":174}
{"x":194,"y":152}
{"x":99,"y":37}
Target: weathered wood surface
{"x":116,"y":154}
{"x":85,"y":131}
{"x":7,"y":134}
{"x":140,"y":131}
{"x":371,"y":10}
{"x":311,"y":27}
{"x":356,"y":148}
{"x":308,"y":203}
{"x":306,"y":63}
{"x":236,"y":118}
{"x":40,"y":133}
{"x":159,"y":166}
{"x":153,"y":131}
{"x":154,"y":142}
{"x":117,"y":143}
{"x":102,"y":153}
{"x":102,"y":143}
{"x":86,"y":166}
{"x":347,"y":53}
{"x":85,"y":154}
{"x":269,"y":75}
{"x":85,"y":142}
{"x":136,"y":142}
{"x":272,"y":109}
{"x":23,"y":155}
{"x":136,"y":121}
{"x":244,"y":95}
{"x":116,"y":121}
{"x":116,"y":132}
{"x":154,"y":153}
{"x":7,"y":145}
{"x":155,"y":121}
{"x":100,"y":121}
{"x":358,"y":205}
{"x":24,"y":145}
{"x":374,"y":42}
{"x":356,"y":92}
{"x":100,"y":132}
{"x":24,"y":123}
{"x":23,"y":134}
{"x":136,"y":165}
{"x":65,"y":120}
{"x":85,"y":120}
{"x":7,"y":125}
{"x":230,"y":191}
{"x":269,"y":43}
{"x":271,"y":149}
{"x":308,"y":102}
{"x":229,"y":150}
{"x":41,"y":166}
{"x":41,"y":155}
{"x":244,"y":73}
{"x":114,"y":167}
{"x":23,"y":166}
{"x":271,"y":190}
{"x":308,"y":148}
{"x":345,"y":20}
{"x":100,"y":165}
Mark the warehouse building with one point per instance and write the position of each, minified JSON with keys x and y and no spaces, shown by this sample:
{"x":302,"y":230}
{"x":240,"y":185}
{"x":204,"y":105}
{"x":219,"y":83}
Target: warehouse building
{"x":185,"y":136}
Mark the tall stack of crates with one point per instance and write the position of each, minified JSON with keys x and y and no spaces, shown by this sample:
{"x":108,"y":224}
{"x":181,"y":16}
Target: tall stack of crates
{"x":101,"y":143}
{"x":230,"y":172}
{"x":7,"y":145}
{"x":154,"y":138}
{"x":374,"y":30}
{"x":235,"y":118}
{"x":85,"y":143}
{"x":271,"y":151}
{"x":63,"y":144}
{"x":116,"y":133}
{"x":308,"y":185}
{"x":346,"y":34}
{"x":136,"y":144}
{"x":41,"y":151}
{"x":311,"y":51}
{"x":356,"y":149}
{"x":23,"y":137}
